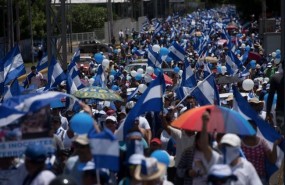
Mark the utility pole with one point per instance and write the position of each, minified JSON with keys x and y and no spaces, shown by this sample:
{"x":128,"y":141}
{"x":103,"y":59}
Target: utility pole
{"x":283,"y":56}
{"x":10,"y":24}
{"x":110,"y":20}
{"x":18,"y":32}
{"x":31,"y":31}
{"x":63,"y":36}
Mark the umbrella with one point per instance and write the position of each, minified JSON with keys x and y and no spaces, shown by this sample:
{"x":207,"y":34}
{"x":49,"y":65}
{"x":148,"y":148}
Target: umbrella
{"x":167,"y":79}
{"x":222,"y":120}
{"x":227,"y":79}
{"x":100,"y":93}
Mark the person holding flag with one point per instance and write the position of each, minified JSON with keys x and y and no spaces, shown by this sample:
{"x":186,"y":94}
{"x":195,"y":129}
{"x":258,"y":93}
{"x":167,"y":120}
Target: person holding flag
{"x":34,"y":78}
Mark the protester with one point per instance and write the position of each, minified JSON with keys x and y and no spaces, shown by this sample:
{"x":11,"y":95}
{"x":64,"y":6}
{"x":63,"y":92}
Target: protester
{"x":230,"y":146}
{"x":35,"y":157}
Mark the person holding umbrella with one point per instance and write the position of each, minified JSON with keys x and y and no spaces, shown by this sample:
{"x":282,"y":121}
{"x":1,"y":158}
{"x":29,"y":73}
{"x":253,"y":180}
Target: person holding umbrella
{"x":230,"y":147}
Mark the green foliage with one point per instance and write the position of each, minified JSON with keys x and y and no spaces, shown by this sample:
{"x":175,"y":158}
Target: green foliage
{"x":87,"y":17}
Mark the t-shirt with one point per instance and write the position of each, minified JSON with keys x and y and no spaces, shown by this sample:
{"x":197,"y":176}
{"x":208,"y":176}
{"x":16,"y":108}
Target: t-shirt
{"x":244,"y":171}
{"x":256,"y":155}
{"x":182,"y":140}
{"x":43,"y":178}
{"x":143,"y":123}
{"x":73,"y":168}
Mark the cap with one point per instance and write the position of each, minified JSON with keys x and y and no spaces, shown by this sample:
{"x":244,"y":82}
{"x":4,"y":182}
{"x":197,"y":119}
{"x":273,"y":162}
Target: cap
{"x":231,"y":139}
{"x":136,"y":159}
{"x":110,"y":112}
{"x":254,"y":100}
{"x":230,"y":97}
{"x":36,"y":152}
{"x":156,"y":140}
{"x":112,"y":118}
{"x":82,"y":139}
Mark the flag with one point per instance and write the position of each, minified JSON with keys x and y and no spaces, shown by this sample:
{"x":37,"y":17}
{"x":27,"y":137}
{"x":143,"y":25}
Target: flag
{"x":105,"y":150}
{"x":158,"y":28}
{"x":18,"y":106}
{"x":9,"y":115}
{"x":43,"y":63}
{"x":150,"y":100}
{"x":13,"y":66}
{"x":233,"y":63}
{"x":188,"y":76}
{"x":206,"y":92}
{"x":139,"y":53}
{"x":71,"y":88}
{"x":99,"y":78}
{"x":75,"y":58}
{"x":133,"y":94}
{"x":182,"y":92}
{"x":73,"y":70}
{"x":177,"y":53}
{"x":265,"y":131}
{"x":55,"y":74}
{"x":154,"y":58}
{"x":12,"y":90}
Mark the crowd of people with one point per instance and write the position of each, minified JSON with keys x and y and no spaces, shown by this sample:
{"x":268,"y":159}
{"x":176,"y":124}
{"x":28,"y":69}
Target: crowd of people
{"x":153,"y":151}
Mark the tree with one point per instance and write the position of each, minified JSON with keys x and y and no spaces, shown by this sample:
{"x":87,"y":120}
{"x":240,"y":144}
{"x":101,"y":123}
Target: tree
{"x":86,"y":17}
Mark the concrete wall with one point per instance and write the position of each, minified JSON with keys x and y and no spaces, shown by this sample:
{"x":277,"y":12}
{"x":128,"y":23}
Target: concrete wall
{"x":122,"y":24}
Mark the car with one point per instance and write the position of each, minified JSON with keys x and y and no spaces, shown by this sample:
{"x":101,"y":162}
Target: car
{"x":93,"y":46}
{"x":84,"y":62}
{"x":135,"y":65}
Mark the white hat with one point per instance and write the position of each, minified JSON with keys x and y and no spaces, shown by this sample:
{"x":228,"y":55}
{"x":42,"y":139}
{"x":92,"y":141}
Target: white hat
{"x":149,"y":169}
{"x":231,"y":139}
{"x":136,"y":159}
{"x":82,"y":139}
{"x":113,"y":118}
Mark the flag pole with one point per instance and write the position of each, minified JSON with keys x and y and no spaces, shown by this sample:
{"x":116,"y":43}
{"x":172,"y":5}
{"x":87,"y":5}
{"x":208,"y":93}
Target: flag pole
{"x":193,"y":89}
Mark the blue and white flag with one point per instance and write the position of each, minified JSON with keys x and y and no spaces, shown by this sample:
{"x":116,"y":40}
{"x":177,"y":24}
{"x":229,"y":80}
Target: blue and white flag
{"x":265,"y":130}
{"x":177,"y":53}
{"x":150,"y":100}
{"x":158,"y":28}
{"x":188,"y":76}
{"x":105,"y":150}
{"x":73,"y":70}
{"x":55,"y":74}
{"x":139,"y":53}
{"x":43,"y":63}
{"x":154,"y":58}
{"x":12,"y":90}
{"x":18,"y":106}
{"x":206,"y":92}
{"x":13,"y":66}
{"x":75,"y":58}
{"x":133,"y":94}
{"x":71,"y":88}
{"x":233,"y":63}
{"x":99,"y":78}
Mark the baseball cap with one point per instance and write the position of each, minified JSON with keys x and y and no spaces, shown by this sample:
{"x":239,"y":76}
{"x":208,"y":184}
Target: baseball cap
{"x":156,"y":140}
{"x":231,"y":139}
{"x":112,"y":118}
{"x":136,"y":159}
{"x":254,"y":100}
{"x":36,"y":152}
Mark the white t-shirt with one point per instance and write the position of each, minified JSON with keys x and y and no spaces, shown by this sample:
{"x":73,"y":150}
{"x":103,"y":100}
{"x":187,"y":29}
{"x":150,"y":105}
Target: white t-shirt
{"x":36,"y":80}
{"x":164,"y":137}
{"x":66,"y":141}
{"x":43,"y":178}
{"x":244,"y":171}
{"x":143,"y":123}
{"x":182,"y":140}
